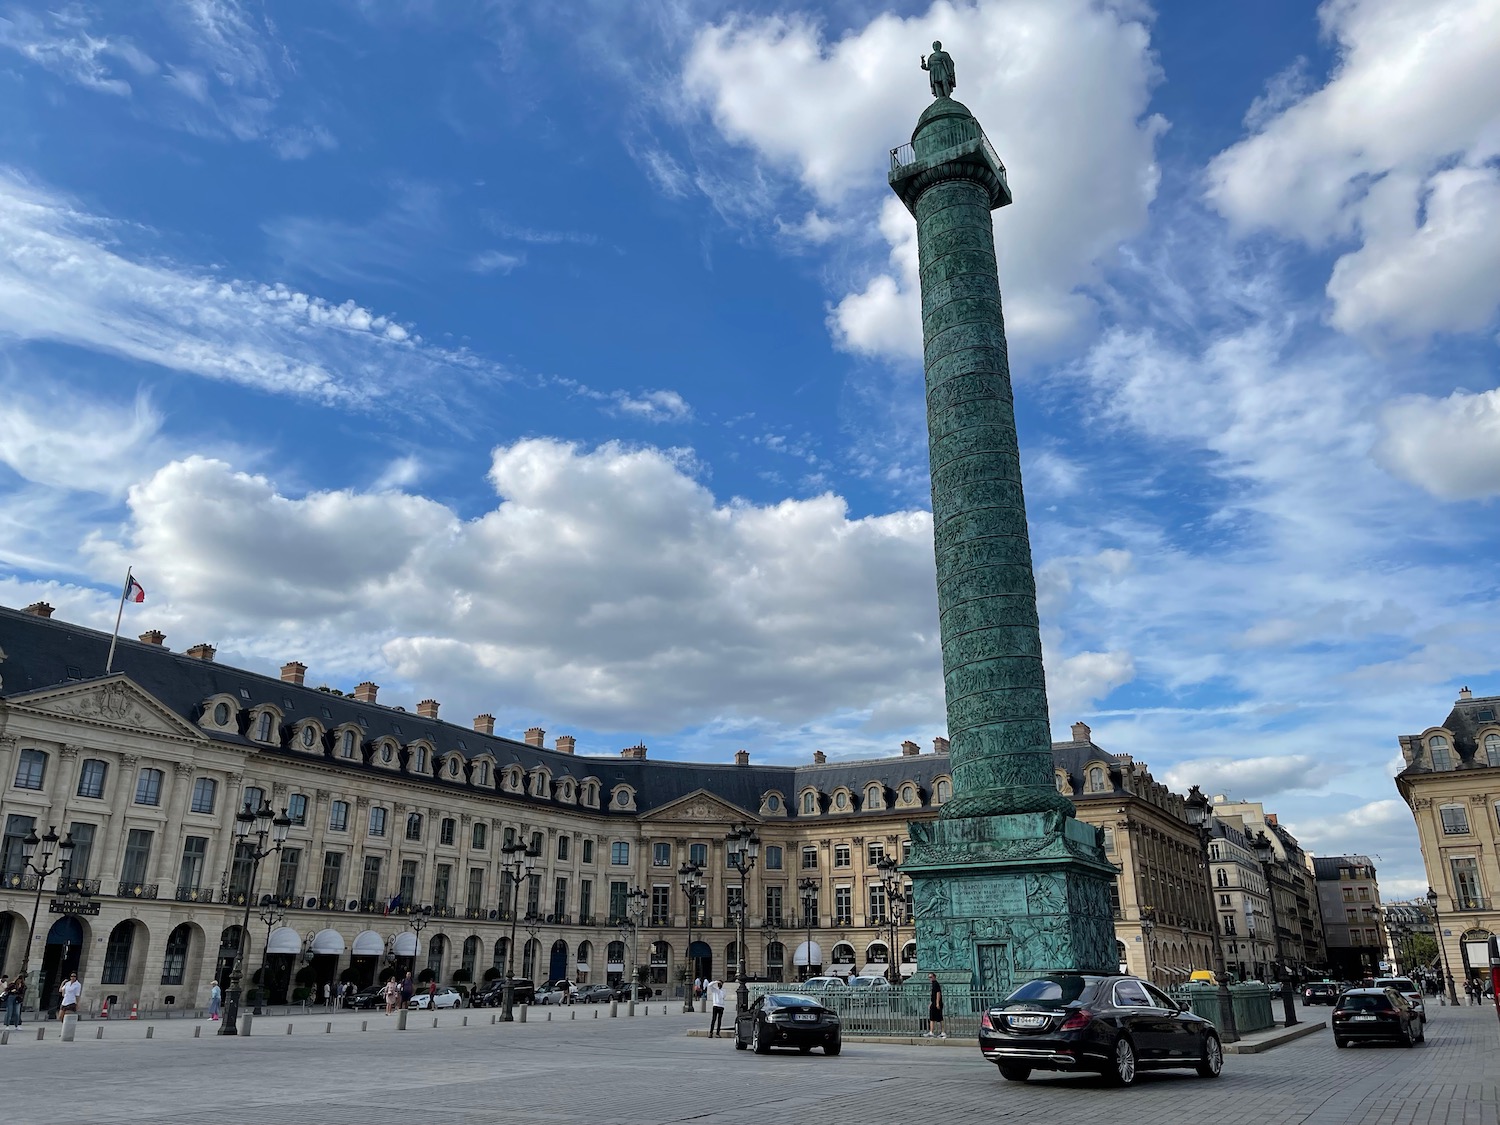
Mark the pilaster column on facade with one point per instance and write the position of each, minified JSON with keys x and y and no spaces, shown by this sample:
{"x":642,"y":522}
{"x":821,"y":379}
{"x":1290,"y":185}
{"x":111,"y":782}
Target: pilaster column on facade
{"x":169,"y":844}
{"x":116,"y":812}
{"x":65,"y":785}
{"x":318,"y":842}
{"x":427,"y":878}
{"x":221,"y":843}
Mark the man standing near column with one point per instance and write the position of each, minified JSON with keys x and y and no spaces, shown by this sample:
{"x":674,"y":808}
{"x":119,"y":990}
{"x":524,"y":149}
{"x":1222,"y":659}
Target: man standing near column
{"x":716,"y":1002}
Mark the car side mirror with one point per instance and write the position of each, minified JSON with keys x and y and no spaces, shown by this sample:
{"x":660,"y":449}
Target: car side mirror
{"x":1182,"y":1006}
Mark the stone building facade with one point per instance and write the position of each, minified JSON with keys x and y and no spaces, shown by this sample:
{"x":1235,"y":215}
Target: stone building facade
{"x":1242,"y":903}
{"x":1353,"y":919}
{"x":399,"y":817}
{"x":1451,"y":782}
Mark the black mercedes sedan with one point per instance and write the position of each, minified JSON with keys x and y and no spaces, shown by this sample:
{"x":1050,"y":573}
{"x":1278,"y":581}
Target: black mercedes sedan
{"x":780,"y":1020}
{"x":1364,"y":1014}
{"x":1115,"y":1025}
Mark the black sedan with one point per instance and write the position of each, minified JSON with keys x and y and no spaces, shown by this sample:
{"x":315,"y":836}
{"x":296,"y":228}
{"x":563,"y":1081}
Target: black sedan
{"x":1320,"y":992}
{"x":367,"y":998}
{"x":492,"y":994}
{"x":1115,"y":1025}
{"x":778,"y":1020}
{"x":1376,"y":1014}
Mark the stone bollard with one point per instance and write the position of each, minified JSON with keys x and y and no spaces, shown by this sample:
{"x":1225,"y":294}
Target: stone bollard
{"x":630,"y":1008}
{"x":614,"y":1008}
{"x":549,"y":1015}
{"x":70,"y":1027}
{"x":245,"y":1022}
{"x":328,"y":1028}
{"x":521,"y":1013}
{"x":466,"y":1022}
{"x":596,"y":1013}
{"x":5,"y":1037}
{"x":41,"y":1033}
{"x":494,"y":1019}
{"x":288,"y":1029}
{"x":572,"y":1015}
{"x":150,"y":1032}
{"x":99,"y":1033}
{"x":197,"y":1032}
{"x":364,"y":1025}
{"x":434,"y":1021}
{"x":401,"y":1019}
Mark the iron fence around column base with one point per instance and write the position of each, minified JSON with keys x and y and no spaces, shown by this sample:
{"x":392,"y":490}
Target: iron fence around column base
{"x":899,"y":1011}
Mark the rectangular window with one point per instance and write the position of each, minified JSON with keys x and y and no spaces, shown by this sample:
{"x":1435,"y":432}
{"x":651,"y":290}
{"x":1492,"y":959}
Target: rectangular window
{"x":734,"y":901}
{"x":447,"y":831}
{"x":414,"y":826}
{"x":1455,"y":820}
{"x":618,"y":909}
{"x":333,"y":873}
{"x":509,"y":839}
{"x":194,"y":854}
{"x":1348,"y":894}
{"x":286,"y":873}
{"x":31,"y":769}
{"x":83,"y":850}
{"x":773,"y":906}
{"x":205,"y":791}
{"x":698,"y":853}
{"x":560,"y":896}
{"x":619,"y":853}
{"x":441,"y":885}
{"x":296,"y":808}
{"x":1467,"y":893}
{"x":240,"y":868}
{"x":254,"y":798}
{"x":563,"y":844}
{"x":586,"y":901}
{"x":480,"y":836}
{"x":369,"y":883}
{"x":842,"y":857}
{"x":91,"y":778}
{"x":876,"y":853}
{"x":810,"y":858}
{"x":137,"y":856}
{"x":148,"y":787}
{"x":533,"y":895}
{"x":408,"y":888}
{"x":338,"y":816}
{"x":661,"y":855}
{"x":809,"y":900}
{"x":661,"y":904}
{"x":588,"y":851}
{"x":843,"y":906}
{"x":476,"y":889}
{"x":773,"y":858}
{"x":877,"y":905}
{"x":377,"y":821}
{"x":17,"y":828}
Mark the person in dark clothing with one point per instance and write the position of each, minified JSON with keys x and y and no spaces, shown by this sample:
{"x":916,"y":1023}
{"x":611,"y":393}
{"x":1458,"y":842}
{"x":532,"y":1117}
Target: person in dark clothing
{"x":935,"y":1009}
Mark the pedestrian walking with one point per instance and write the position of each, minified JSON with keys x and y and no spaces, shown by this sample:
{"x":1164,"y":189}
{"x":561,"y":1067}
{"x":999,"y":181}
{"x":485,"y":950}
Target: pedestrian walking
{"x":327,"y":995}
{"x":392,"y":994}
{"x":72,"y":988}
{"x":215,"y":995}
{"x":935,"y":1009}
{"x":432,"y":995}
{"x":408,"y":988}
{"x":14,"y":995}
{"x":716,"y":1002}
{"x":349,"y":991}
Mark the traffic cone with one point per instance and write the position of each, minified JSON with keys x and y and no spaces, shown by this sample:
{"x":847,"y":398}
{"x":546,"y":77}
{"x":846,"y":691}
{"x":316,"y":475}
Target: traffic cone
{"x":135,"y":1008}
{"x":104,"y":1011}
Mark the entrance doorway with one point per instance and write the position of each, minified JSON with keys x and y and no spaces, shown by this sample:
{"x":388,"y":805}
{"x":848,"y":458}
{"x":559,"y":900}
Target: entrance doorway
{"x":700,"y":961}
{"x":61,"y":957}
{"x":557,"y":967}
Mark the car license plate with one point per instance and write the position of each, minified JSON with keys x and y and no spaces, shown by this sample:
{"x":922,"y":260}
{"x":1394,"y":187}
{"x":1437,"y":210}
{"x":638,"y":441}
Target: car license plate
{"x":1026,"y":1021}
{"x":1362,"y":1018}
{"x":809,"y":1019}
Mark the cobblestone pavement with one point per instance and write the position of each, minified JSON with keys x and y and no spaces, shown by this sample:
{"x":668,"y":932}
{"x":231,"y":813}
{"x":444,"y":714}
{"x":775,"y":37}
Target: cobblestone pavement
{"x":647,"y":1071}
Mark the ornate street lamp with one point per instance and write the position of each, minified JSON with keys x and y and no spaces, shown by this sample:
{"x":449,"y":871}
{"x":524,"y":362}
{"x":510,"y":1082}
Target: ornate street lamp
{"x":743,"y":848}
{"x":690,"y":879}
{"x":1265,"y":851}
{"x":29,"y":852}
{"x":895,"y":895}
{"x":1197,"y":807}
{"x":271,"y":915}
{"x":517,"y":864}
{"x":808,"y":888}
{"x":1437,"y":932}
{"x":420,"y":916}
{"x":1148,"y":927}
{"x":636,"y":899}
{"x":262,"y":825}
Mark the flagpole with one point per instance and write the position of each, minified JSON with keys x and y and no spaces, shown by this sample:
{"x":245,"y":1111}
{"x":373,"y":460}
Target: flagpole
{"x":119,"y":613}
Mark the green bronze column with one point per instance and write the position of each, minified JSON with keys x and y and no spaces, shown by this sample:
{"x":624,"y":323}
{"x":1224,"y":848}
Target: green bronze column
{"x":1007,"y":883}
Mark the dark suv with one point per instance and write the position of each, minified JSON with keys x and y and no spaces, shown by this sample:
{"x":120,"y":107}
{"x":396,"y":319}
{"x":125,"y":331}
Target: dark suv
{"x":1376,"y":1013}
{"x":1320,"y":992}
{"x":492,"y":993}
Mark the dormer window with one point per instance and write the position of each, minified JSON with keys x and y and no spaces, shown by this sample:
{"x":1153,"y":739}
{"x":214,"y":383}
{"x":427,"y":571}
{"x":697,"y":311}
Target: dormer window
{"x":421,"y":759}
{"x":809,"y":803}
{"x":872,"y":797}
{"x":943,"y":790}
{"x":1492,"y":749}
{"x":452,"y":767}
{"x":346,"y":744}
{"x":309,"y":736}
{"x":221,"y":714}
{"x":484,"y":773}
{"x":263,"y":727}
{"x":1442,"y":757}
{"x":1096,"y":779}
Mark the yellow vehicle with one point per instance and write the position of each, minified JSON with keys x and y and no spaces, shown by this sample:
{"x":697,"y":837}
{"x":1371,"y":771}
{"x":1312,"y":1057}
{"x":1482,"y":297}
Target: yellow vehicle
{"x":1203,"y":976}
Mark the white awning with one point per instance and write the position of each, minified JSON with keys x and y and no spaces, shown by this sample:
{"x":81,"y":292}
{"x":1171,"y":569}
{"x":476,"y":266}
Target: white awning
{"x":284,"y":940}
{"x":908,"y":968}
{"x":369,"y":944}
{"x":615,"y":967}
{"x":808,"y":953}
{"x":581,"y":967}
{"x":328,"y":941}
{"x":406,"y":944}
{"x":873,"y":969}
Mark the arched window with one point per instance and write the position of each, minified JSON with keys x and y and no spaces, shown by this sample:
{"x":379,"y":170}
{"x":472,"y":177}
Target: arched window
{"x":484,"y":773}
{"x":944,"y":789}
{"x":872,"y":797}
{"x":346,"y":744}
{"x":453,"y":766}
{"x":1221,"y":877}
{"x":841,"y":800}
{"x":175,"y":963}
{"x":414,"y":826}
{"x":421,"y":759}
{"x":809,"y":803}
{"x":1492,"y":748}
{"x":1060,"y":779}
{"x":1442,"y":759}
{"x":117,"y":953}
{"x":471,"y":956}
{"x":909,"y":794}
{"x":437,"y":947}
{"x":1096,"y":779}
{"x":263,"y":727}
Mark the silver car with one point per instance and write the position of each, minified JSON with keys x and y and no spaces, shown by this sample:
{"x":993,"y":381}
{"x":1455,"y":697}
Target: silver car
{"x":1408,"y":989}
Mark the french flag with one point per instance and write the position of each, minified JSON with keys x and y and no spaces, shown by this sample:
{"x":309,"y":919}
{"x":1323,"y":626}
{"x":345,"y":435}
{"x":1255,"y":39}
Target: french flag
{"x":134,"y":591}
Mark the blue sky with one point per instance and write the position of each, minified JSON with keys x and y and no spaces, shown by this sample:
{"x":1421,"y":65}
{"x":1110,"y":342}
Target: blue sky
{"x":561,"y":361}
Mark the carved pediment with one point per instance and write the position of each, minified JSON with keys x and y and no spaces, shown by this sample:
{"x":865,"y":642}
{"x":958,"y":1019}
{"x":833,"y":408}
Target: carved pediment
{"x":118,"y":703}
{"x":700,"y":807}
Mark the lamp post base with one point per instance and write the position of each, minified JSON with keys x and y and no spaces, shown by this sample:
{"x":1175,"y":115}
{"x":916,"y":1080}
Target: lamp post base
{"x":1228,"y":1032}
{"x":507,"y":1002}
{"x":1288,"y":1002}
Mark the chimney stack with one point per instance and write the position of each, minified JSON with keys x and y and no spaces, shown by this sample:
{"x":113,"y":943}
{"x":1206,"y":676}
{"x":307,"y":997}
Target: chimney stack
{"x":1081,"y":732}
{"x":742,"y":757}
{"x":637,"y":751}
{"x":366,"y":692}
{"x":202,"y":652}
{"x":153,"y":637}
{"x":910,"y":749}
{"x":939,"y":745}
{"x":484,"y":724}
{"x":38,"y":609}
{"x":819,"y":757}
{"x":534,"y":736}
{"x":293,"y":672}
{"x":566,"y":743}
{"x":1463,"y":693}
{"x":428,"y":708}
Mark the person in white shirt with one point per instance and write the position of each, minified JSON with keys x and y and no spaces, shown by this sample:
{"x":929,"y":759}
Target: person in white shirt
{"x":716,"y":1002}
{"x":70,"y":992}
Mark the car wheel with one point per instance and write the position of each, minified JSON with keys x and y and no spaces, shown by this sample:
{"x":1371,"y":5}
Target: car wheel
{"x":1408,"y":1037}
{"x":1122,"y":1073}
{"x":1013,"y":1072}
{"x":1340,"y":1041}
{"x":739,"y":1044}
{"x":1213,"y":1058}
{"x":757,"y":1044}
{"x":834,"y":1048}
